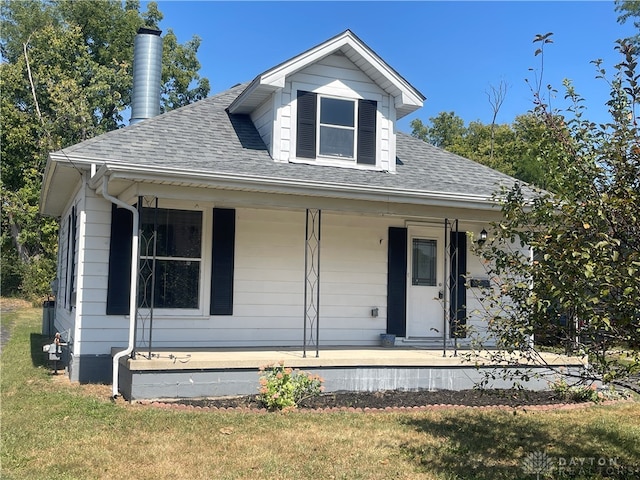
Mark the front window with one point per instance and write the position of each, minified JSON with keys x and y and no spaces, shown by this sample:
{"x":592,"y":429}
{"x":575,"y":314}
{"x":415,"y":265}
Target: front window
{"x":170,"y":258}
{"x":337,"y":127}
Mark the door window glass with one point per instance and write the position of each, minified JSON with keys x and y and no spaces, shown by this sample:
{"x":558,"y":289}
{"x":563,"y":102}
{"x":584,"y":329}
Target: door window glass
{"x":424,"y":256}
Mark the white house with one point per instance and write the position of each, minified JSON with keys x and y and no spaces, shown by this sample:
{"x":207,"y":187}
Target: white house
{"x":286,"y":212}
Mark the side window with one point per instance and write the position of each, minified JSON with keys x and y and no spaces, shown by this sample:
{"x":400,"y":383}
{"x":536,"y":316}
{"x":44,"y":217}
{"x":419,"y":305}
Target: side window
{"x":170,"y":258}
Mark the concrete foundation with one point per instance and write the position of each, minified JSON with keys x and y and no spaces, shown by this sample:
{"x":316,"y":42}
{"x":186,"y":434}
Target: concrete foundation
{"x":182,"y":374}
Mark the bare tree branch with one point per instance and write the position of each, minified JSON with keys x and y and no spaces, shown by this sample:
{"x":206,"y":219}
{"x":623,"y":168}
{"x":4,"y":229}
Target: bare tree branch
{"x":33,"y":88}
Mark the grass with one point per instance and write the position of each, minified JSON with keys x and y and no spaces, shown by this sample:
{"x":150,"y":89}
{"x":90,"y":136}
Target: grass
{"x":54,"y":429}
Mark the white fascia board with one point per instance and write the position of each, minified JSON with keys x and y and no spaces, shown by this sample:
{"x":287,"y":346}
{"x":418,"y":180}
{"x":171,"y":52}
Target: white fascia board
{"x":136,"y":173}
{"x":55,"y":172}
{"x":46,"y":182}
{"x":241,"y":103}
{"x":278,"y":75}
{"x":275,"y":78}
{"x":245,"y":93}
{"x":406,"y":94}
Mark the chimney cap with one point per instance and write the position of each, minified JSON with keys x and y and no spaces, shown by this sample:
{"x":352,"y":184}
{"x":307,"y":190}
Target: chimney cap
{"x":149,"y":31}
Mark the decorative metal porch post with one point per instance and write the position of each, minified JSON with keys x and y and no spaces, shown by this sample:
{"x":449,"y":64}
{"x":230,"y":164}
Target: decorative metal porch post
{"x":312,"y":281}
{"x":451,"y":289}
{"x":146,"y":272}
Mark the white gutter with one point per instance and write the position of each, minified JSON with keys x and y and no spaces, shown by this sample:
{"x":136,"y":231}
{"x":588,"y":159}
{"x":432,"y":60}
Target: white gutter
{"x":134,"y":282}
{"x":132,"y":172}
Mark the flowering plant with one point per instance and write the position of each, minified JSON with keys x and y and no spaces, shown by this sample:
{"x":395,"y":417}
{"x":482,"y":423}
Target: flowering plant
{"x":284,"y":388}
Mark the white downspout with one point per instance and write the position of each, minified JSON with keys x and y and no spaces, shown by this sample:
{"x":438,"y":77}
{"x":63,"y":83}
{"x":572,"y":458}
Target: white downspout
{"x":134,"y":282}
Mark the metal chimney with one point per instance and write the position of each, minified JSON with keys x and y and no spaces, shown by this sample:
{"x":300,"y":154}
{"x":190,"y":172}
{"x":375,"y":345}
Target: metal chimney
{"x":147,"y":74}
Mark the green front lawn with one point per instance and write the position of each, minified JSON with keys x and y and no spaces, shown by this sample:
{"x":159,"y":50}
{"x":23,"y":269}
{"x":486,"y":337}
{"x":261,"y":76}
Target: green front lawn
{"x":52,"y":429}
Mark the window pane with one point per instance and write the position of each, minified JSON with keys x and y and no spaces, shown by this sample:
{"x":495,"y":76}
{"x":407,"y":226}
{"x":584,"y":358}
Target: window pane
{"x":336,"y":142}
{"x":424,"y":262}
{"x":179,"y":232}
{"x":337,"y":112}
{"x":176,"y":285}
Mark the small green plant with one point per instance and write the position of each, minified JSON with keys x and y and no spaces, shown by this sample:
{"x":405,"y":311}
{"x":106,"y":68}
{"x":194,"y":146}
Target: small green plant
{"x":283,"y":388}
{"x":576,"y":393}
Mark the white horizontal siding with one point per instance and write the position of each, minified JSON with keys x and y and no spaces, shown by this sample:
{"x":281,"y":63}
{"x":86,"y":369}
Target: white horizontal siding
{"x":476,"y":310}
{"x":67,"y":316}
{"x":93,"y":272}
{"x":268,"y":287}
{"x":269,"y":284}
{"x":338,"y":75}
{"x":262,"y":118}
{"x":64,"y":323}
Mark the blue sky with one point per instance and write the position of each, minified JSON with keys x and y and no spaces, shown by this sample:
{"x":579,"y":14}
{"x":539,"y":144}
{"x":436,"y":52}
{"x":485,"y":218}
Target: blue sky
{"x":452,"y":52}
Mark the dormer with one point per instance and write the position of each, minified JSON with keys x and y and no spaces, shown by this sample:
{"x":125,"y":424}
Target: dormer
{"x":336,"y":104}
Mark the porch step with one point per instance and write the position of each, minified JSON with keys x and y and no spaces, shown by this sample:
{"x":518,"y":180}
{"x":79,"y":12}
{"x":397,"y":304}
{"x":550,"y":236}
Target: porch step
{"x":431,"y":343}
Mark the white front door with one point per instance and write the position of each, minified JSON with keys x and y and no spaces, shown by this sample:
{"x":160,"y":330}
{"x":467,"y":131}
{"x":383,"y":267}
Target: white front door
{"x":425,"y":282}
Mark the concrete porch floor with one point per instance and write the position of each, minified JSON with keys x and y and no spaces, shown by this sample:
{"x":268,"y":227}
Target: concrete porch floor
{"x":195,"y":373}
{"x":253,"y":358}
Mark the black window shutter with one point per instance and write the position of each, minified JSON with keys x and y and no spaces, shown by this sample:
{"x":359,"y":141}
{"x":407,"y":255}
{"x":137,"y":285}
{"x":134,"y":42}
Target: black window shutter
{"x":222,"y":258}
{"x":119,"y":280}
{"x":458,"y":305}
{"x":67,"y":272}
{"x":367,"y":132}
{"x":306,"y":125}
{"x":72,"y":279}
{"x":397,"y":282}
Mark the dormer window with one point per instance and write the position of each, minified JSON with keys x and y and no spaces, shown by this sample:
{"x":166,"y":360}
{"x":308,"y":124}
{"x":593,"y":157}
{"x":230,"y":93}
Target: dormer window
{"x":337,"y":127}
{"x":334,"y":127}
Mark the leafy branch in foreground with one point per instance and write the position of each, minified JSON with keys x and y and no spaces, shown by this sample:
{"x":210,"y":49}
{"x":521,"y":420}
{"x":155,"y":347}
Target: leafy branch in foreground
{"x":580,"y":287}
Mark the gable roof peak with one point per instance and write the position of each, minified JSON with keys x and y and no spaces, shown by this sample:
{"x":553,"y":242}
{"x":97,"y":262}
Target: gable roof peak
{"x":407,"y":98}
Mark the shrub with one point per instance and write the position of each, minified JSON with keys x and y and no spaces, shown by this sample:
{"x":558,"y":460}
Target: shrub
{"x":587,"y":393}
{"x":284,"y":388}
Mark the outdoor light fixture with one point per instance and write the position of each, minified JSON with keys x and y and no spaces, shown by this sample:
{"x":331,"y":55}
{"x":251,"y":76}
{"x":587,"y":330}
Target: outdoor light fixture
{"x":483,"y":237}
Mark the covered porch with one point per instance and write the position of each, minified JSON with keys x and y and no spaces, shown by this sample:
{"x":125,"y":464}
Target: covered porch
{"x":215,"y":372}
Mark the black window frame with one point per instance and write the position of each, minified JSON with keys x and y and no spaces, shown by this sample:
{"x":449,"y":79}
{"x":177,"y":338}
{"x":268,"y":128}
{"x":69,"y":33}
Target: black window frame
{"x":430,"y":280}
{"x":172,"y":257}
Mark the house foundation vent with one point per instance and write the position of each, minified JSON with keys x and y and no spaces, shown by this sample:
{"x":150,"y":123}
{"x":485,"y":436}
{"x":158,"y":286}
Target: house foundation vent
{"x":147,"y":75}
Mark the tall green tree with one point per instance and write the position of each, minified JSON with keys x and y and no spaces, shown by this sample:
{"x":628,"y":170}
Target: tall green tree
{"x":584,"y":283}
{"x":514,"y":149}
{"x":66,"y":76}
{"x":445,"y":129}
{"x":630,"y":10}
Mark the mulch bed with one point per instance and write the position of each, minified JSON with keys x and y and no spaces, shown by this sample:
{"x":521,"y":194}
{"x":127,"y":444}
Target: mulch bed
{"x":389,"y":400}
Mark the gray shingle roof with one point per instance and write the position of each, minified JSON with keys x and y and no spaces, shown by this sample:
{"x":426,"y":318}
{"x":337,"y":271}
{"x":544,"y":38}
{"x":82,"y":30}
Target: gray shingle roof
{"x":203,"y":137}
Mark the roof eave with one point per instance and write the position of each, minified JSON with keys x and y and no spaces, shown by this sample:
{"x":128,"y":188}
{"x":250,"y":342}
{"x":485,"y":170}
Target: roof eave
{"x":136,"y":173}
{"x":61,"y":175}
